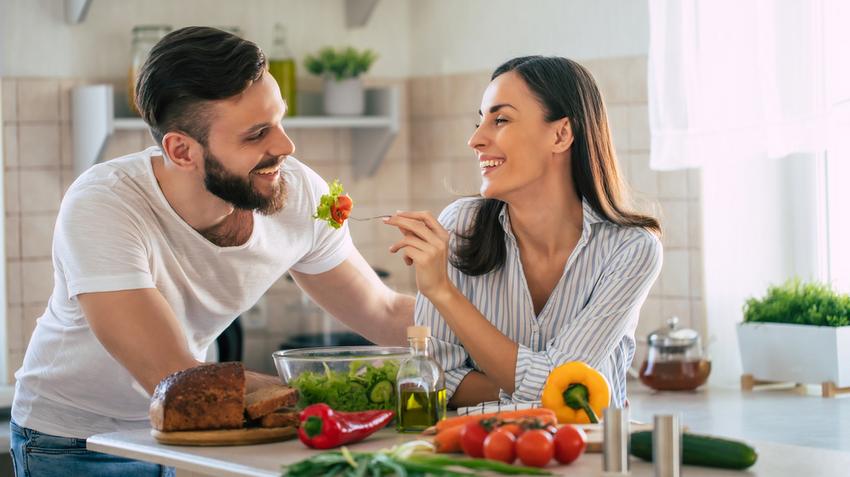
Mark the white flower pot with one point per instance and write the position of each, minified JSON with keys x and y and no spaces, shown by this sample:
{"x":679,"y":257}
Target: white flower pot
{"x":795,"y":353}
{"x":344,"y":98}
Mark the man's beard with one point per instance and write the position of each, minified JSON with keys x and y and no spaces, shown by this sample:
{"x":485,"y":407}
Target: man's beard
{"x":239,"y":191}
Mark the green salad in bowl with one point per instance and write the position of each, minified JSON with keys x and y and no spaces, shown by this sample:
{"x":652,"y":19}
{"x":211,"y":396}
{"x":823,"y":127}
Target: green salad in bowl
{"x":347,"y":378}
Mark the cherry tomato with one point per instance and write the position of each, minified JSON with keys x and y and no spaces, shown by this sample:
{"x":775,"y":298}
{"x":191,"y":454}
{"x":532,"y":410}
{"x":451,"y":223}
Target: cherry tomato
{"x":500,"y":445}
{"x":570,"y":443}
{"x":514,"y":429}
{"x":472,"y":439}
{"x":341,"y":209}
{"x":535,"y":448}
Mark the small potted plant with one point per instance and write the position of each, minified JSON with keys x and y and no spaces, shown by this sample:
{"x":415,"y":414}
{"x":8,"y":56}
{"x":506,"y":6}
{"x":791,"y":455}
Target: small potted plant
{"x":341,"y":69}
{"x":800,"y":333}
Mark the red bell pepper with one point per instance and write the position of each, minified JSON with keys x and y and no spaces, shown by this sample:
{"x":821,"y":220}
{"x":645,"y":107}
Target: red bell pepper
{"x":323,"y":428}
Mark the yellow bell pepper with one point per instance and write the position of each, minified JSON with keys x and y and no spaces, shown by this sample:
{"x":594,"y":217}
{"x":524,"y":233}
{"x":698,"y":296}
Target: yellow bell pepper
{"x":576,"y":392}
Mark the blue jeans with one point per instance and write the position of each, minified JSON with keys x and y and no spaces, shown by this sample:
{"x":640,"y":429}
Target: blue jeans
{"x":35,"y":454}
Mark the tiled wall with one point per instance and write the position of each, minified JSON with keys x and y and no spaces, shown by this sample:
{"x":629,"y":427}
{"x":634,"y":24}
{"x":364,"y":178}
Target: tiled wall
{"x":427,"y":167}
{"x":443,"y":110}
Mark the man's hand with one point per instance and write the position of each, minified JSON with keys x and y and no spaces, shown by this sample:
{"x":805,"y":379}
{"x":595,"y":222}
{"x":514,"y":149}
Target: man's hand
{"x":354,"y":294}
{"x":139,"y":329}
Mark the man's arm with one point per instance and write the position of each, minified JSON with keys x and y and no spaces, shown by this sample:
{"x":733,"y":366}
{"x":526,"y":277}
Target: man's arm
{"x":354,"y":294}
{"x":139,"y":329}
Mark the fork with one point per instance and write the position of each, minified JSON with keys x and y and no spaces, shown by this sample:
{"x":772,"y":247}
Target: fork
{"x":364,"y":219}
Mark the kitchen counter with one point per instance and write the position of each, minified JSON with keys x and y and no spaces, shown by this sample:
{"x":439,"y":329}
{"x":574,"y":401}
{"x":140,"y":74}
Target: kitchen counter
{"x":793,"y":434}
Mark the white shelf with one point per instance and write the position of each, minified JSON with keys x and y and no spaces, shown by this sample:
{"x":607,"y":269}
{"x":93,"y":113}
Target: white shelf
{"x":94,"y":121}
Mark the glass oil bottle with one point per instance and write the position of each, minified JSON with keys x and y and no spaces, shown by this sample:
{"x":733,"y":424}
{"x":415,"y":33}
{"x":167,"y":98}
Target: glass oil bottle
{"x":282,"y":69}
{"x":420,"y":385}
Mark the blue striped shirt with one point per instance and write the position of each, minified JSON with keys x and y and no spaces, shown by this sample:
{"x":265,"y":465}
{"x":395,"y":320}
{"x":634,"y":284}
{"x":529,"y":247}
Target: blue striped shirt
{"x":590,"y":316}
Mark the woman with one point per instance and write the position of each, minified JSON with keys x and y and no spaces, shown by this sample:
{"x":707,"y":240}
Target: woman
{"x":549,"y":265}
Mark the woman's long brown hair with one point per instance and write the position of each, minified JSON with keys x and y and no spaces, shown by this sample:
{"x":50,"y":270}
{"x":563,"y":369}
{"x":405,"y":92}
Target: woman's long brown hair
{"x":565,"y":89}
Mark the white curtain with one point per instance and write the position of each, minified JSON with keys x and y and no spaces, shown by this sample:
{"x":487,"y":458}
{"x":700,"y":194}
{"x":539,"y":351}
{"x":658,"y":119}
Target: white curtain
{"x":739,"y":80}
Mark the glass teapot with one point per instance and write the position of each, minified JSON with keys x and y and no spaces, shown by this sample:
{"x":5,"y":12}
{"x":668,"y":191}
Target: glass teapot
{"x":675,"y":360}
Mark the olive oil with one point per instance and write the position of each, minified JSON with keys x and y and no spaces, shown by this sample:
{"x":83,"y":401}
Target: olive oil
{"x":421,"y":410}
{"x":282,"y":69}
{"x":420,"y":385}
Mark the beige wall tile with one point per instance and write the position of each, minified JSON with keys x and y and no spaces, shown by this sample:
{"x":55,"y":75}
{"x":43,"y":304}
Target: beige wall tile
{"x":676,"y":274}
{"x":317,"y":145}
{"x":696,"y":273}
{"x":673,"y":184}
{"x":400,"y":147}
{"x":37,"y":281}
{"x":643,"y":180}
{"x":342,"y":142}
{"x":254,"y":353}
{"x":11,"y":191}
{"x":422,"y":138}
{"x":38,"y":99}
{"x":10,"y":144}
{"x":122,"y":143}
{"x":9,"y":99}
{"x":618,"y":122}
{"x":392,"y":181}
{"x":636,"y":75}
{"x":675,"y":220}
{"x":14,"y":322}
{"x":454,"y":134}
{"x":465,"y":176}
{"x":31,"y":315}
{"x":639,"y":128}
{"x":16,"y":359}
{"x":671,"y":307}
{"x":611,"y":78}
{"x":13,"y":282}
{"x":698,"y":318}
{"x":66,"y":144}
{"x":37,"y":234}
{"x":694,"y":183}
{"x":417,"y":95}
{"x":695,"y":224}
{"x":66,"y":85}
{"x":40,"y":144}
{"x":41,"y":190}
{"x":13,"y":237}
{"x":465,"y":92}
{"x":68,"y":178}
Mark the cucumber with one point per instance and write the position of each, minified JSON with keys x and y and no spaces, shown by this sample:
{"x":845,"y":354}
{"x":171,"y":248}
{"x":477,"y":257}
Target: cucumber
{"x":705,"y":451}
{"x":381,"y":391}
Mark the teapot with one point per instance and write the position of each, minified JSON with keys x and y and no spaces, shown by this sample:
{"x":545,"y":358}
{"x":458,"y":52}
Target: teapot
{"x":675,"y":360}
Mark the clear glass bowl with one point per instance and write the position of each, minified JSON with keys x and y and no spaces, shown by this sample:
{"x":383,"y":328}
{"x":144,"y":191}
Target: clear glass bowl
{"x":347,"y":378}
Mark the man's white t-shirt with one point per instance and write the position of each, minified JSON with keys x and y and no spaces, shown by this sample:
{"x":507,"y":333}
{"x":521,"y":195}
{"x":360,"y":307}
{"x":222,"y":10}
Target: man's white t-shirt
{"x":116,"y":231}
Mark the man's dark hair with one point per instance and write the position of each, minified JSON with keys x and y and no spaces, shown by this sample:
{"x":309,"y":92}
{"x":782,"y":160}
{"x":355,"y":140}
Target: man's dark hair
{"x":188,"y":68}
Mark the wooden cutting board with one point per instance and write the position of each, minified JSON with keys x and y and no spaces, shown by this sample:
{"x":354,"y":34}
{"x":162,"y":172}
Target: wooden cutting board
{"x":225,"y":437}
{"x":594,"y":434}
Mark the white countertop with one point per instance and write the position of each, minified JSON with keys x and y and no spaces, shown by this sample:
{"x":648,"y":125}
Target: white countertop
{"x":793,"y":435}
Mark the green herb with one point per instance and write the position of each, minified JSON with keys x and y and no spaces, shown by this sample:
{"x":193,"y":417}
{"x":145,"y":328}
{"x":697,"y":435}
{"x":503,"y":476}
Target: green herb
{"x":323,"y":210}
{"x":800,"y":303}
{"x":363,"y":387}
{"x":340,"y":64}
{"x":411,"y":459}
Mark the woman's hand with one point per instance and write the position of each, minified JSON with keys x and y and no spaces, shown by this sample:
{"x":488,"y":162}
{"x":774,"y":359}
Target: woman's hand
{"x":426,"y":246}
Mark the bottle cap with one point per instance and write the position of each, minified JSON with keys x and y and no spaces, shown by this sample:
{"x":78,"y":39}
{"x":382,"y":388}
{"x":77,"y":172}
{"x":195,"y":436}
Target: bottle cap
{"x":418,"y":332}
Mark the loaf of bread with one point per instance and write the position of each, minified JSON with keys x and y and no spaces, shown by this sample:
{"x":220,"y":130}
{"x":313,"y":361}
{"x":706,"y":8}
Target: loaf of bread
{"x":209,"y":396}
{"x":285,"y":417}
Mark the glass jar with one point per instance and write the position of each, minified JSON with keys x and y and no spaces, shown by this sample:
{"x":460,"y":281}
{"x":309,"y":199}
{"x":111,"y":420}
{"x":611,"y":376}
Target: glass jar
{"x":283,"y":70}
{"x":144,"y":39}
{"x":420,"y":385}
{"x":675,"y":360}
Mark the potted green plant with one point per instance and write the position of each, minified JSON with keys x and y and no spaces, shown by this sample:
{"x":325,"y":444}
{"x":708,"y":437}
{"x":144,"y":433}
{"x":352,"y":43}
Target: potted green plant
{"x":341,"y":69}
{"x":799,"y":332}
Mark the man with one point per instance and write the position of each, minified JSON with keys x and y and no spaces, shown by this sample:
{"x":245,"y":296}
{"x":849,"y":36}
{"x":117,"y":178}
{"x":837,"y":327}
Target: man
{"x":157,"y":252}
